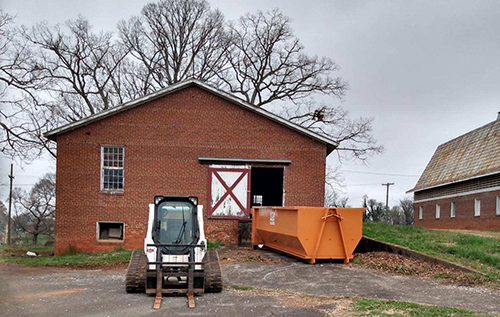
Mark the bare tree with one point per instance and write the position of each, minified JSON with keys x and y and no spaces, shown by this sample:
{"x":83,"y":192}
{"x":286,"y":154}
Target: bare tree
{"x":35,"y":212}
{"x":173,"y":40}
{"x":3,"y":221}
{"x":333,"y":199}
{"x":15,"y":132}
{"x":334,"y":186}
{"x":393,"y":216}
{"x":62,"y":75}
{"x":374,"y":210}
{"x":354,"y":136}
{"x":406,"y":206}
{"x":75,"y":67}
{"x":268,"y":62}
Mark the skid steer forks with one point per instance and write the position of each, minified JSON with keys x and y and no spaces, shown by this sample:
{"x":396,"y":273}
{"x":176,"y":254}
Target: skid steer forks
{"x":184,"y":269}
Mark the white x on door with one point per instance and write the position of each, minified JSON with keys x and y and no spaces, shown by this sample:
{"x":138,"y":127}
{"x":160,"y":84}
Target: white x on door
{"x":229,"y":192}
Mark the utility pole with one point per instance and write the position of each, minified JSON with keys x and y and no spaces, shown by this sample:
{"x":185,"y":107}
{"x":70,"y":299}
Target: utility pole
{"x":11,"y":176}
{"x":387,"y":196}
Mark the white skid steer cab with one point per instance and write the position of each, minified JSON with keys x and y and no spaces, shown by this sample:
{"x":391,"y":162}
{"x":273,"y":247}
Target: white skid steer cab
{"x":175,"y":259}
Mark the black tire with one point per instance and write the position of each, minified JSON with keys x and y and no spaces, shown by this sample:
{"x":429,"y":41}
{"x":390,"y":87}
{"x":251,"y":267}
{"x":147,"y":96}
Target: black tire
{"x":135,"y":280}
{"x":213,"y":273}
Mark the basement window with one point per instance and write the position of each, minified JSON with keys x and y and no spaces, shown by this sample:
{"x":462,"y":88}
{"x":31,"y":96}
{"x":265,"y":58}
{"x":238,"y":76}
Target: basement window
{"x":498,"y":206}
{"x":438,"y":211}
{"x":477,"y":207}
{"x":110,"y":231}
{"x":112,"y":168}
{"x":453,"y":210}
{"x":420,"y":213}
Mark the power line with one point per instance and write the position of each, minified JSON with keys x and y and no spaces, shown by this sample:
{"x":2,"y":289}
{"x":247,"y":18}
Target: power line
{"x":362,"y":184}
{"x":402,"y":189}
{"x":384,"y":174}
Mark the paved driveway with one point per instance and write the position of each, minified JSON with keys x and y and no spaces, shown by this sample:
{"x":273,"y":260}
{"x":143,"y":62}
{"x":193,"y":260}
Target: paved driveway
{"x":55,"y":292}
{"x":63,"y":292}
{"x":332,"y":279}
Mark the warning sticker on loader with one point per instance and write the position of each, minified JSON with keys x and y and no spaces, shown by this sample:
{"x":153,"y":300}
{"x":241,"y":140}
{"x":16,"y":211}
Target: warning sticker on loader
{"x":272,"y":218}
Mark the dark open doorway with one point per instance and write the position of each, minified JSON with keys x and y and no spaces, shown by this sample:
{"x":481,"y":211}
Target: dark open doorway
{"x":266,"y":187}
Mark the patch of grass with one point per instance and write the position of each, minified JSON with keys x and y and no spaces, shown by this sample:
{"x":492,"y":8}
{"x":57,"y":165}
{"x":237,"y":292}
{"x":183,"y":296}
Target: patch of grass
{"x":241,"y":288}
{"x":71,"y":258}
{"x":212,"y":245}
{"x":372,"y":307}
{"x":400,"y":268}
{"x":358,"y":260}
{"x":481,"y":253}
{"x":15,"y":248}
{"x":442,"y":275}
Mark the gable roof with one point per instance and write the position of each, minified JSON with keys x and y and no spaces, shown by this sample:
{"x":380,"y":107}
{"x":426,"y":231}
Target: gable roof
{"x":474,"y":154}
{"x":52,"y":134}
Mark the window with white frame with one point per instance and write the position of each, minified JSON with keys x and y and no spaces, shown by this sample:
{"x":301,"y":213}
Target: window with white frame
{"x":477,"y":207}
{"x":453,"y":210}
{"x":112,"y":164}
{"x":498,"y":206}
{"x":438,"y":211}
{"x":420,"y":212}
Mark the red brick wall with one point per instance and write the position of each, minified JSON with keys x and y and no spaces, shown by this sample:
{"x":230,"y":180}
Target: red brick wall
{"x":163,"y":140}
{"x":464,"y":210}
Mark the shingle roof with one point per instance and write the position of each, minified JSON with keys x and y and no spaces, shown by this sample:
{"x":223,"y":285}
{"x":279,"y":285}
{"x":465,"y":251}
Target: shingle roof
{"x":471,"y":155}
{"x":52,"y":134}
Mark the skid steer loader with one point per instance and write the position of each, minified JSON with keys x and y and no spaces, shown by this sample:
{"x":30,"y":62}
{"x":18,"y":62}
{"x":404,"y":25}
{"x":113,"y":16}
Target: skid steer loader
{"x":175,"y":259}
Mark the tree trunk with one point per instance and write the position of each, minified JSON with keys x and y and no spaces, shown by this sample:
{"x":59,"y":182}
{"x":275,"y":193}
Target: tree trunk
{"x":35,"y":239}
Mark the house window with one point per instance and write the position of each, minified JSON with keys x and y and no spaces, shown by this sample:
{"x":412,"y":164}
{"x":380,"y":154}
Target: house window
{"x":477,"y":207}
{"x":112,"y":163}
{"x":110,"y":231}
{"x":498,"y":206}
{"x":453,"y":210}
{"x":420,"y":212}
{"x":438,"y":211}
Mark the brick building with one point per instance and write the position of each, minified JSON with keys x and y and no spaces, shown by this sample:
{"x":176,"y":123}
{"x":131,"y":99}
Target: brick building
{"x":460,"y":187}
{"x":187,"y":139}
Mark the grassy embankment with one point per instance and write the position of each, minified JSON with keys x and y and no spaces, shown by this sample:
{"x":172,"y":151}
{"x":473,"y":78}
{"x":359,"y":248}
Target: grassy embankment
{"x":478,"y":252}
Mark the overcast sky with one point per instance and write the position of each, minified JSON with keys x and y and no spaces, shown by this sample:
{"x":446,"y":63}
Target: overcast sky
{"x":427,"y":71}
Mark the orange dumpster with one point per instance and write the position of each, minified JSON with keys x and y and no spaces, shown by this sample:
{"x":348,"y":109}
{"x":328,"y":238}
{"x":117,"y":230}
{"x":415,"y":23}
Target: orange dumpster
{"x":309,"y":233}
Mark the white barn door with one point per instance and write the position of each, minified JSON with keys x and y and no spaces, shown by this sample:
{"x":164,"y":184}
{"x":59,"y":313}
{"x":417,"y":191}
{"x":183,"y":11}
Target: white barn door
{"x":229,"y":192}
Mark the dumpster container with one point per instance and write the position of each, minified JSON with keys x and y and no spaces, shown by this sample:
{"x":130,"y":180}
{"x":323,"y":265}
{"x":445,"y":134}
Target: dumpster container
{"x":309,"y":233}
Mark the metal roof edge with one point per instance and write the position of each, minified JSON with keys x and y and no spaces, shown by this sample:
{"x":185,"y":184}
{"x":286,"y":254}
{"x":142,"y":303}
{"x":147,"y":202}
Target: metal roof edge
{"x":52,"y":134}
{"x":492,"y":123}
{"x":208,"y":160}
{"x":454,"y":182}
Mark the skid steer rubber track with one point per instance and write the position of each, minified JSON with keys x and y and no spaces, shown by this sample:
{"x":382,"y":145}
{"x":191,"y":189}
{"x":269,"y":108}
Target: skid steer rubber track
{"x":213,"y":273}
{"x":135,"y":280}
